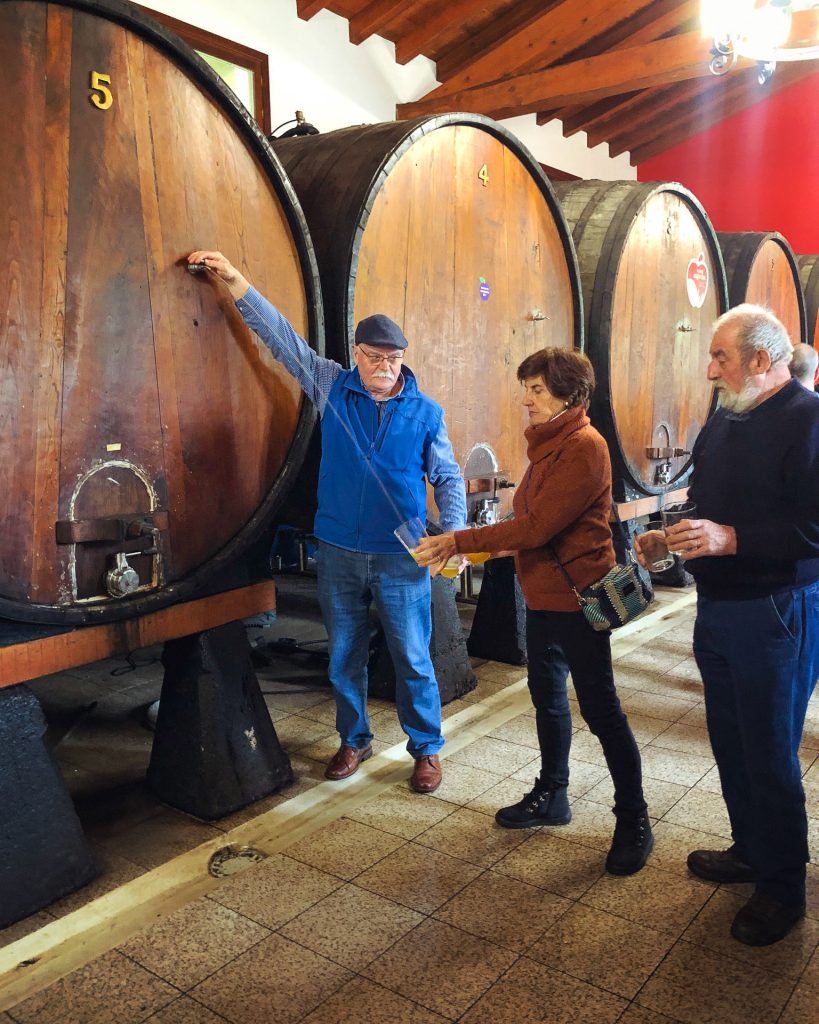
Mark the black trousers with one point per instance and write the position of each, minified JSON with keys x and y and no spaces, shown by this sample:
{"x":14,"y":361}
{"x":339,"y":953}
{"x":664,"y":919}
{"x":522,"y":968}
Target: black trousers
{"x":561,"y":642}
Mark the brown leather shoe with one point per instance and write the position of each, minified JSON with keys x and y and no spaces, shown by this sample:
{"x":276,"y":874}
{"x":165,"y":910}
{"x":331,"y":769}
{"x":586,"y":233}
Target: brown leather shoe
{"x":427,"y":775}
{"x":719,"y":866}
{"x":346,"y":760}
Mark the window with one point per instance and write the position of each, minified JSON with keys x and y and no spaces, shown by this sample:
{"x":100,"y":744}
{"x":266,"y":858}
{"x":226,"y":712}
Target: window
{"x":245,"y":70}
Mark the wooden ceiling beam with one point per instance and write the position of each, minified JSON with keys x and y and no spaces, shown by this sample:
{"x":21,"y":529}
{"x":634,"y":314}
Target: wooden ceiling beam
{"x":422,"y":39}
{"x":373,"y":18}
{"x":556,"y":33}
{"x":653,"y":64}
{"x":720,"y":105}
{"x":307,"y":8}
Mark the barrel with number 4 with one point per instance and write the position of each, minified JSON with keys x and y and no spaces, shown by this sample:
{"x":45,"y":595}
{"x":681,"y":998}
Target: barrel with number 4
{"x":448,"y":225}
{"x":145,"y":434}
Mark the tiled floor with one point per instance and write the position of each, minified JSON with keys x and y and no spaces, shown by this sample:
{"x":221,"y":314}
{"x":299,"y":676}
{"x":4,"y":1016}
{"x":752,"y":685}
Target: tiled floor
{"x":414,"y":910}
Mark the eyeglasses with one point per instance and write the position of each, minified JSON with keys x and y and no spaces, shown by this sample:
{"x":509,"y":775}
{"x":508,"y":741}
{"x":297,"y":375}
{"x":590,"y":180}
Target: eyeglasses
{"x":375,"y":358}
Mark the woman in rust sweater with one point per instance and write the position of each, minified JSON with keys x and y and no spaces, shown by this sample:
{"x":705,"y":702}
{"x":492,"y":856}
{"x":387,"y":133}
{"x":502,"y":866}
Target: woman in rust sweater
{"x":562,"y":508}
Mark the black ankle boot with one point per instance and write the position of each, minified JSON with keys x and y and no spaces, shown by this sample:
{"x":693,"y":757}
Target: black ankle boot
{"x":543,"y":806}
{"x":632,"y":843}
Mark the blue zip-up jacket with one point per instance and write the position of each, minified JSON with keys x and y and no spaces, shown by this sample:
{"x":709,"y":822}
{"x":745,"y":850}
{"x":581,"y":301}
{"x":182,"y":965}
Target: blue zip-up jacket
{"x":372,"y":475}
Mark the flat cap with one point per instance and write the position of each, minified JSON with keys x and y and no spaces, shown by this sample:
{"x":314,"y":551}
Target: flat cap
{"x":378,"y":329}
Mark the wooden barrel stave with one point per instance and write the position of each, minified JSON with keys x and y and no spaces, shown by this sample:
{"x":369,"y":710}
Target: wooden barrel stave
{"x":133,"y":386}
{"x":403,"y":224}
{"x":809,"y":278}
{"x":636,"y":244}
{"x":761,"y":268}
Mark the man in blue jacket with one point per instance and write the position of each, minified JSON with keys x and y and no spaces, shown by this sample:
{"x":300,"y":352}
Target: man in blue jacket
{"x":754,"y":552}
{"x":380,"y":438}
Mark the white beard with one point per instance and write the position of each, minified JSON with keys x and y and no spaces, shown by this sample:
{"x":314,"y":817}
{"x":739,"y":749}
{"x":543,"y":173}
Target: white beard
{"x":739,"y":401}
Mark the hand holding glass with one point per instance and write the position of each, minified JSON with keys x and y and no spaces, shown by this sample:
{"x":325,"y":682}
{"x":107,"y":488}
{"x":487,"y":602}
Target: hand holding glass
{"x":673,"y":514}
{"x":654,"y":550}
{"x":412,"y":532}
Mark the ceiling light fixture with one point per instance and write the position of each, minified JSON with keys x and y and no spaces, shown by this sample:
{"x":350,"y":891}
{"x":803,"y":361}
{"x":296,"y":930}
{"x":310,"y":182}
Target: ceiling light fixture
{"x":766,"y":31}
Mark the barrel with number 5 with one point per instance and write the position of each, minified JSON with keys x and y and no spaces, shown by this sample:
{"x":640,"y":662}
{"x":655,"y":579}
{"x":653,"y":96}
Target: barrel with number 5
{"x":145,"y":434}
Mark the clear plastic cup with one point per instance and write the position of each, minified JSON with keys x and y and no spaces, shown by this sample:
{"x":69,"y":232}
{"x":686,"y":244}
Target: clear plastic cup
{"x":411,"y":533}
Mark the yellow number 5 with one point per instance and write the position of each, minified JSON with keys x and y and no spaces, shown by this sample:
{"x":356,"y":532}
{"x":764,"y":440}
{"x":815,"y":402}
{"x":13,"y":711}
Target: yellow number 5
{"x":99,"y":84}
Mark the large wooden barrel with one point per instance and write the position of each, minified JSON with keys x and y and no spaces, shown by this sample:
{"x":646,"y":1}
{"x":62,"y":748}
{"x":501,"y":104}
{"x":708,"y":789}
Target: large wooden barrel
{"x":809,"y":277}
{"x":135,"y":413}
{"x":761,"y":268}
{"x":653,"y":283}
{"x":448,"y":225}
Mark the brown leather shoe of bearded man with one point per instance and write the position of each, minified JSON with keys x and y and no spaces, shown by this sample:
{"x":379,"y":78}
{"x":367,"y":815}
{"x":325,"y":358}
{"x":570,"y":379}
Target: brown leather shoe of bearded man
{"x":345,"y":761}
{"x":426,"y":776}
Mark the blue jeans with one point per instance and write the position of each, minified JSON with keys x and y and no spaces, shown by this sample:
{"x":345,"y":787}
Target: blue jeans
{"x":349,"y":581}
{"x":759,"y":660}
{"x":561,"y":642}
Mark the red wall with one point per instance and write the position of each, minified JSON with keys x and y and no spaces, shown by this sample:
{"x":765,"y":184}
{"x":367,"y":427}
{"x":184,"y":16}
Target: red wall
{"x":758,"y":170}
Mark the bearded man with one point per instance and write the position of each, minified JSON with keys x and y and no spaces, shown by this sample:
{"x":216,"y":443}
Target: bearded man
{"x":755,"y":557}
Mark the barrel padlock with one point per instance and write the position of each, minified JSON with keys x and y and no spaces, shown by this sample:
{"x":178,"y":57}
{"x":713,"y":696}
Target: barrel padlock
{"x":122,"y":580}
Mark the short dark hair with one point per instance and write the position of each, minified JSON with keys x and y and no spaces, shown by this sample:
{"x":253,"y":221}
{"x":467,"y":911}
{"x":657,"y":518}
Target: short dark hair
{"x":568,"y":375}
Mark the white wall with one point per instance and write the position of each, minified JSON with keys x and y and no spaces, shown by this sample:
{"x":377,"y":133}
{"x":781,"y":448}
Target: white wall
{"x":315,"y":68}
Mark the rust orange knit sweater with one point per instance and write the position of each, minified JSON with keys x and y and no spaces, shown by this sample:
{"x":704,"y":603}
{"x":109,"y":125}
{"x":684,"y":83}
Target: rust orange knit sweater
{"x":564,"y":500}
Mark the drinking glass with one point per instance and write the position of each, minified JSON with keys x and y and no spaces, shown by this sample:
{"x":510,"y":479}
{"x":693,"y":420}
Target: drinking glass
{"x":411,"y":533}
{"x":675,"y":513}
{"x":655,"y":551}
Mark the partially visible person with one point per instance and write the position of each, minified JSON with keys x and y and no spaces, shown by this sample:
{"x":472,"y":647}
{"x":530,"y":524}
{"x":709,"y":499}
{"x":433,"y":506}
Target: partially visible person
{"x":381,"y":439}
{"x":755,"y":556}
{"x":804,"y":364}
{"x":562,"y":511}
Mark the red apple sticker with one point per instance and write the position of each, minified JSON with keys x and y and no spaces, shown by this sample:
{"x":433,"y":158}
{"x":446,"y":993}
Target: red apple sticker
{"x":697,"y":281}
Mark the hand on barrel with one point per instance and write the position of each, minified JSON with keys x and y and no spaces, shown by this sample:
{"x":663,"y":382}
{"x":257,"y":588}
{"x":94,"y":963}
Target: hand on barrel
{"x":222,"y":268}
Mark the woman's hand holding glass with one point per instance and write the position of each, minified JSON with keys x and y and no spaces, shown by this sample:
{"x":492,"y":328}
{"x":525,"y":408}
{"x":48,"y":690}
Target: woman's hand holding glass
{"x":435,"y":552}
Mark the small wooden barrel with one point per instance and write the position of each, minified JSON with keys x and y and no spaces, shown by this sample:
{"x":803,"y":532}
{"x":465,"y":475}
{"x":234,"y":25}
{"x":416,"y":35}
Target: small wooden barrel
{"x":761,"y":268}
{"x":653,"y":283}
{"x":137,"y":415}
{"x":448,"y":225}
{"x":809,"y":277}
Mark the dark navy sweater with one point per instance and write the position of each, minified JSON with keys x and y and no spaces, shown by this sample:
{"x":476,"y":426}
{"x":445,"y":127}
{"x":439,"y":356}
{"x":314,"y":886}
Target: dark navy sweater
{"x":759,"y":472}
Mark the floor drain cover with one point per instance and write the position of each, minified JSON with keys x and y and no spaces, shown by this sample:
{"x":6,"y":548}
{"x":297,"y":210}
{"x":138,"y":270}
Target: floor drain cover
{"x":232,"y":859}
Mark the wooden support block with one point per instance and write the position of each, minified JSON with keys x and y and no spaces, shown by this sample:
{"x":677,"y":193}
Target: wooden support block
{"x":215,"y":749}
{"x":35,"y":658}
{"x":43,"y":852}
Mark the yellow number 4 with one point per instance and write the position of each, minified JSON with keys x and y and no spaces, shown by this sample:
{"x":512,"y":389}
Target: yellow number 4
{"x":483,"y":174}
{"x":101,"y":95}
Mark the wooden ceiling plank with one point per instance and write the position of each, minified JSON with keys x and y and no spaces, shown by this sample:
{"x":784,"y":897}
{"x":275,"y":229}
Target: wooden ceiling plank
{"x":556,"y":33}
{"x":504,"y":23}
{"x":652,"y":64}
{"x":704,"y":108}
{"x":307,"y":8}
{"x":667,"y":16}
{"x":422,"y":38}
{"x":644,"y":106}
{"x":373,"y":18}
{"x":581,"y":118}
{"x":702,"y":119}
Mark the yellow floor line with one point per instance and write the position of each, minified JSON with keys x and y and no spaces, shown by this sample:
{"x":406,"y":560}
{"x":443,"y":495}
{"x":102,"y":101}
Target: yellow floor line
{"x":36,"y":961}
